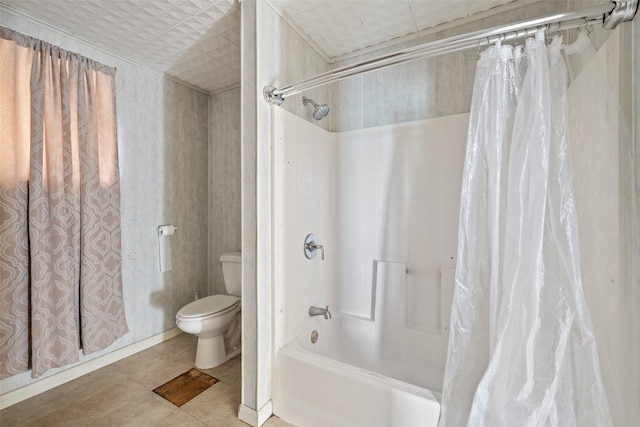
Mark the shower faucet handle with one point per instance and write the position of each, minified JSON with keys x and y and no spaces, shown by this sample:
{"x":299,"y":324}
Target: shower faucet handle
{"x":314,"y":247}
{"x":311,"y":246}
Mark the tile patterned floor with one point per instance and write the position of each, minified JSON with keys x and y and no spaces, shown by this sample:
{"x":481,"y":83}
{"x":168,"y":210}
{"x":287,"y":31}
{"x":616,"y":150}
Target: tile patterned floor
{"x":121,"y":395}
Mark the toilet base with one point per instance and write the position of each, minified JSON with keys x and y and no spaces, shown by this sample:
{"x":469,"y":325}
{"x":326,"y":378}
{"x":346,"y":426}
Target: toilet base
{"x":211,"y":352}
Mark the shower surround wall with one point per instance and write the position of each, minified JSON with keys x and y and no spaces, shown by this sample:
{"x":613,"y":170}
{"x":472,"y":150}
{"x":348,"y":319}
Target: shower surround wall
{"x":383,"y":201}
{"x":399,"y":197}
{"x":305,"y":201}
{"x":162,"y":136}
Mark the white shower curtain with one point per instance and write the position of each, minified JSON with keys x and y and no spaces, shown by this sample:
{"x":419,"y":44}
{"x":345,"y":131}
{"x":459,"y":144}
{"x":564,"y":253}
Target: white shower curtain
{"x":522,"y":350}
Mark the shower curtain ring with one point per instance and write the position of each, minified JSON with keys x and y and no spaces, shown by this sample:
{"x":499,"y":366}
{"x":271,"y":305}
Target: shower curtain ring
{"x":588,"y":26}
{"x":549,"y":33}
{"x":498,"y":42}
{"x":481,"y":44}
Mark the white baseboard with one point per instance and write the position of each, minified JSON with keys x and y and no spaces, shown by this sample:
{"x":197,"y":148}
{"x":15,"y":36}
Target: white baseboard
{"x":18,"y":395}
{"x":255,"y":418}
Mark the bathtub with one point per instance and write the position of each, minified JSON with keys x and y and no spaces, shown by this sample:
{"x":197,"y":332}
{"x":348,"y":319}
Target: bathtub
{"x":342,"y":380}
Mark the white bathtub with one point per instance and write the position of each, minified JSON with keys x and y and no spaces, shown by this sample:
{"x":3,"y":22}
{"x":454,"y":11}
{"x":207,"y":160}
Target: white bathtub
{"x":342,"y":380}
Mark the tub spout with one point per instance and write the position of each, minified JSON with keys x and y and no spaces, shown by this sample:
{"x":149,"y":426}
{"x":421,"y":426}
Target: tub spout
{"x":319,"y":311}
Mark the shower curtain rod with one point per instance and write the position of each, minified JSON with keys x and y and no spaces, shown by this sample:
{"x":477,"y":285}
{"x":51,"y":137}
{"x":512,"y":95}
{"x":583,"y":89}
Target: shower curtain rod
{"x":609,"y":15}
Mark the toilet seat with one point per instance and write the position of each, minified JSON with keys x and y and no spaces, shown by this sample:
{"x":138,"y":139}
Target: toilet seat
{"x":211,"y":306}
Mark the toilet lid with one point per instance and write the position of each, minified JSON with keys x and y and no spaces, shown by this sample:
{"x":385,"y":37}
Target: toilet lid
{"x":208,"y":305}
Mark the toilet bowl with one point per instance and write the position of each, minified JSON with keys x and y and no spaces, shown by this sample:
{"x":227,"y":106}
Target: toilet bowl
{"x":215,"y":319}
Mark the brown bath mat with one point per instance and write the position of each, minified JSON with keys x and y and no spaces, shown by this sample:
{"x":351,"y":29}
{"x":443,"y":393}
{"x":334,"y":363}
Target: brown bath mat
{"x":185,"y":387}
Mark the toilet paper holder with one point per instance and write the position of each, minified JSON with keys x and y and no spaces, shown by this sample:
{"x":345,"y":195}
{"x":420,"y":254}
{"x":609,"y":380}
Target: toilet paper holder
{"x":166,"y":229}
{"x":164,"y":246}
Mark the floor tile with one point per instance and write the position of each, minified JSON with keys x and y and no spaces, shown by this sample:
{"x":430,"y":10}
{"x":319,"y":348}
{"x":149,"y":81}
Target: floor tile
{"x":152,"y":368}
{"x":218,"y":402}
{"x":121,"y":394}
{"x":181,"y":348}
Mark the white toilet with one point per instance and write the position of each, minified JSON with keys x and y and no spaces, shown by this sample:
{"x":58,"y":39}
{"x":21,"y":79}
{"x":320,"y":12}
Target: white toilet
{"x":216,"y":318}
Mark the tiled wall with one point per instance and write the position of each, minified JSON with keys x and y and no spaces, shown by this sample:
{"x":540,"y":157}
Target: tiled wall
{"x":224,"y":182}
{"x":162,"y":137}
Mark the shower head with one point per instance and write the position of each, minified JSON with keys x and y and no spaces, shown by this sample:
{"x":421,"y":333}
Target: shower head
{"x":320,"y":110}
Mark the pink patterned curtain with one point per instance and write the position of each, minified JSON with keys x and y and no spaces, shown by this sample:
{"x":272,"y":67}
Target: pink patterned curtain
{"x":60,"y":259}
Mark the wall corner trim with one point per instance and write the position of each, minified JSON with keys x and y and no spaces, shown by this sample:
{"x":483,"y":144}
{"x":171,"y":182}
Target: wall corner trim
{"x":255,"y":418}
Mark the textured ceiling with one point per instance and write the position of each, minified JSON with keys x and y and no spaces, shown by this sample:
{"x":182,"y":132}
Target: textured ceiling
{"x":339,"y":27}
{"x":198,"y":41}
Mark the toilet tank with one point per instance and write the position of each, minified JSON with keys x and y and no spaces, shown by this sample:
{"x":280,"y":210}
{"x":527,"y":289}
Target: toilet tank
{"x":232,"y":271}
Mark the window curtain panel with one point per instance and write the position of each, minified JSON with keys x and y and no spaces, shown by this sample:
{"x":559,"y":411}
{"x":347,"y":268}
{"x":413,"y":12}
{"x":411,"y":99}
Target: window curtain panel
{"x":59,"y":206}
